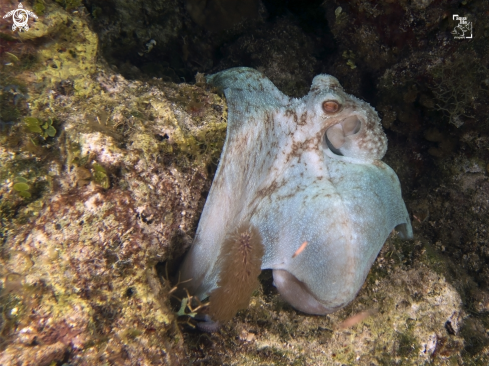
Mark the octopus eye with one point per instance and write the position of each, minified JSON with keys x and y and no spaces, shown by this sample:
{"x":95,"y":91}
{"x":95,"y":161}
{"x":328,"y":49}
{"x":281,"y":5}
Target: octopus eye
{"x":330,"y":106}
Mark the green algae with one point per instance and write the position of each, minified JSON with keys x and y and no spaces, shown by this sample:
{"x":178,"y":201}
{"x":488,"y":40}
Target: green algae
{"x":100,"y":176}
{"x":39,"y":7}
{"x":69,"y":4}
{"x":45,"y":129}
{"x":201,"y":148}
{"x":407,"y":344}
{"x":21,"y":186}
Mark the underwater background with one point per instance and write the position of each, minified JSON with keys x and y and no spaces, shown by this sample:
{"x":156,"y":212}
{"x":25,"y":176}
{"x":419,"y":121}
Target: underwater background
{"x":110,"y":138}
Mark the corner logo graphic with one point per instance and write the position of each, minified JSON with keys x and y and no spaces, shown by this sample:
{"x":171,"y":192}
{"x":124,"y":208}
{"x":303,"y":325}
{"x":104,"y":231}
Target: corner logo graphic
{"x":20,"y":17}
{"x":463,"y":29}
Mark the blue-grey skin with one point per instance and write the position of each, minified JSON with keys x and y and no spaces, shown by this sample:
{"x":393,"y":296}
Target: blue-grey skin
{"x":280,"y":173}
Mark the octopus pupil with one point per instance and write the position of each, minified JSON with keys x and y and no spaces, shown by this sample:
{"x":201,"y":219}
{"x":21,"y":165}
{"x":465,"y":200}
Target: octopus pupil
{"x":330,"y":106}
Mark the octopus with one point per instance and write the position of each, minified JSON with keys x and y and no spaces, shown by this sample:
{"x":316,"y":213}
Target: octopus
{"x":300,"y":189}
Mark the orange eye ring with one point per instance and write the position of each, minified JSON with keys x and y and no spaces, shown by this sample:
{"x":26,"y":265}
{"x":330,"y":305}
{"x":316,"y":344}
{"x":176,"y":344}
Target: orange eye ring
{"x":330,"y":106}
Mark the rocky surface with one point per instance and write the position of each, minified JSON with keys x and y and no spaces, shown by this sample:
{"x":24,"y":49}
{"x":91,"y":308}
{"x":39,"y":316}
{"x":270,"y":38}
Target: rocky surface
{"x":104,"y":170}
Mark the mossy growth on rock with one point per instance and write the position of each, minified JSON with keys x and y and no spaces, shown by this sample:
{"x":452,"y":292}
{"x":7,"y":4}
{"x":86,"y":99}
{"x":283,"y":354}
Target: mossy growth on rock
{"x":39,"y":7}
{"x":69,"y":4}
{"x":72,"y":54}
{"x":98,"y":175}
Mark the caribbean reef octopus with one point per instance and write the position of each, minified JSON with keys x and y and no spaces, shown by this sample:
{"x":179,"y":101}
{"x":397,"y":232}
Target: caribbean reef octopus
{"x":300,"y":189}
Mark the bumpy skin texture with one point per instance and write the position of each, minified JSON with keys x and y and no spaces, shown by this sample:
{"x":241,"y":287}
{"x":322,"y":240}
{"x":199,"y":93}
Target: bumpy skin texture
{"x":280,"y":173}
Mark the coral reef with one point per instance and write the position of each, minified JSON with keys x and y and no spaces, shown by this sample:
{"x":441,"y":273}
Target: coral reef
{"x":95,"y":209}
{"x":101,"y":180}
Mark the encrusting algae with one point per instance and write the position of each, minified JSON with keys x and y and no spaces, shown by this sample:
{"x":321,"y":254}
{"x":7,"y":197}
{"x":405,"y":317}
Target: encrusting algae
{"x":124,"y":165}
